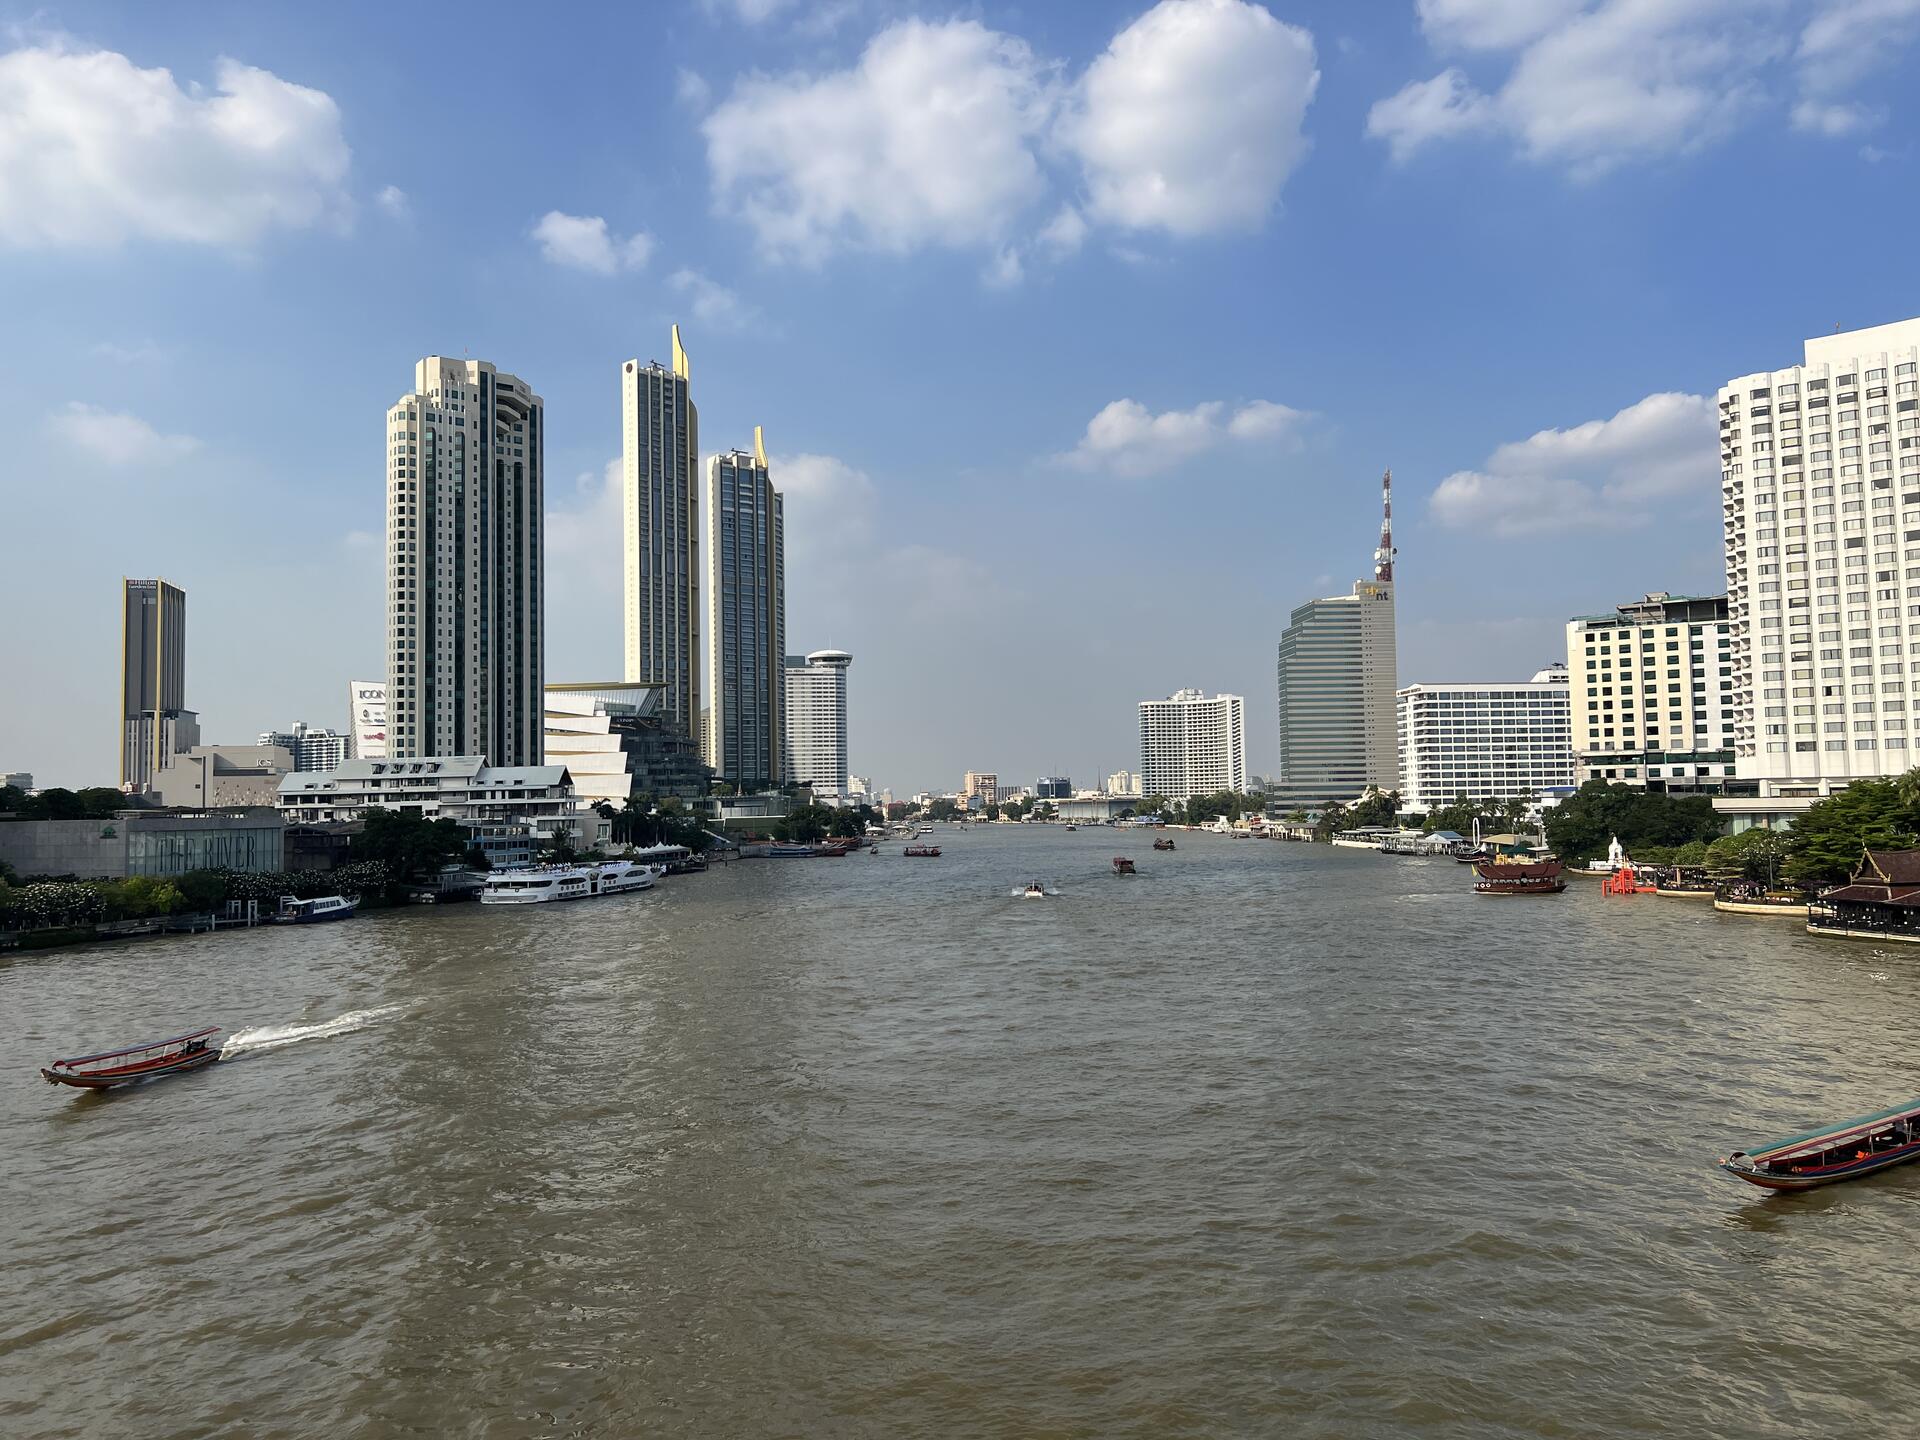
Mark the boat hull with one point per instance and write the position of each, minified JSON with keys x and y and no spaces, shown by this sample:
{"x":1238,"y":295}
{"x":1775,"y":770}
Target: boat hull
{"x":1767,"y":1180}
{"x":106,"y":1080}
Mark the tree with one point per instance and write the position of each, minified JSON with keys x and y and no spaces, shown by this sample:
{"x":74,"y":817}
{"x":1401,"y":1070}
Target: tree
{"x":1332,"y":821}
{"x":1826,"y":843}
{"x":1045,"y":811}
{"x":942,"y":809}
{"x":1377,"y":808}
{"x":409,"y":845}
{"x":1585,"y":823}
{"x":1755,"y":855}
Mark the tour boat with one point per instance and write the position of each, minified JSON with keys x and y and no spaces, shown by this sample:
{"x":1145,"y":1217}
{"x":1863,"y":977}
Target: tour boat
{"x":1838,"y":1152}
{"x":1165,"y":842}
{"x":925,"y":852}
{"x":782,"y":851}
{"x":539,"y":884}
{"x":1035,"y":891}
{"x":315,"y":912}
{"x":1123,"y":866}
{"x":1504,"y":876}
{"x":136,"y":1062}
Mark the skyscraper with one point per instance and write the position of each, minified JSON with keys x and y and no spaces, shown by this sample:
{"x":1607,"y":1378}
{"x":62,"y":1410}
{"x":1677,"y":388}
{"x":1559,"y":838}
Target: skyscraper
{"x":816,"y":721}
{"x":465,"y":484}
{"x":659,"y":485}
{"x":1820,"y":479}
{"x":746,"y":618}
{"x":154,"y":721}
{"x":1192,"y":744}
{"x":1337,"y":673}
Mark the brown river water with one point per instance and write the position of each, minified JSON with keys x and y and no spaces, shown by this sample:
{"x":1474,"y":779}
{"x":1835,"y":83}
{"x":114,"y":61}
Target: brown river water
{"x":1268,"y":1140}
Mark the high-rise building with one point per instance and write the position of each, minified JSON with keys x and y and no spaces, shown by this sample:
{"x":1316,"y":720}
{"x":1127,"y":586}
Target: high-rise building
{"x":367,"y":723}
{"x":983,"y":784}
{"x":1053,"y":787}
{"x":155,"y":724}
{"x":1485,"y":741}
{"x":1820,"y":479}
{"x":746,"y":618}
{"x":1193,"y":744}
{"x":465,"y":483}
{"x":1651,"y":687}
{"x":816,"y":721}
{"x":1337,"y":676}
{"x":659,"y":485}
{"x":309,"y":748}
{"x":1123,"y":782}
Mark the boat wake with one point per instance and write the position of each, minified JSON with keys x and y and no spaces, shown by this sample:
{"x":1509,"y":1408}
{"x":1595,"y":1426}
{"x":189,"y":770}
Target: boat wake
{"x":272,"y":1037}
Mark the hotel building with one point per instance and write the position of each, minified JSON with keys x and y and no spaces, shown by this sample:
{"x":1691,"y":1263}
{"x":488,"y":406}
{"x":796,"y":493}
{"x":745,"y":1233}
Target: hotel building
{"x":1485,"y":741}
{"x":1193,"y":744}
{"x":308,"y":748}
{"x":1820,"y":488}
{"x":155,"y":724}
{"x":465,"y":489}
{"x":816,"y":722}
{"x":746,"y":620}
{"x":659,"y":486}
{"x":1651,"y":689}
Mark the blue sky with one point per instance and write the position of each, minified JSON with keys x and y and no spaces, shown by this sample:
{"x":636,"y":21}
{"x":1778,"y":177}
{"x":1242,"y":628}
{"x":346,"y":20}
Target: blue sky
{"x":1080,"y":332}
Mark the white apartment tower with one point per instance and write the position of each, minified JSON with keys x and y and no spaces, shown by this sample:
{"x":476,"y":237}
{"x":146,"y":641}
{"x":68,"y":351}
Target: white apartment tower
{"x":1485,"y":741}
{"x":1193,"y":744}
{"x":1651,"y":689}
{"x":816,"y":721}
{"x":746,"y":619}
{"x":465,"y":493}
{"x":1337,"y":673}
{"x":1820,"y":482}
{"x":659,"y":486}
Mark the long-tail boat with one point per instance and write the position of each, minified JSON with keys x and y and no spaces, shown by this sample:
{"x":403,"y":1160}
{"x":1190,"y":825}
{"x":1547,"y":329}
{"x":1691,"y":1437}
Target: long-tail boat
{"x":1837,"y":1152}
{"x":922,"y":852}
{"x":1122,"y":865}
{"x":136,"y":1062}
{"x":1504,"y":876}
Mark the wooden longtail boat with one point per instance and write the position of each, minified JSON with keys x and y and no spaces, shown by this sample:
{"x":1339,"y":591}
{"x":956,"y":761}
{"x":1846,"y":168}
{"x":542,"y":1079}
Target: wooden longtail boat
{"x":1122,"y":865}
{"x":923,"y":852}
{"x":1501,"y":876}
{"x":136,"y":1062}
{"x":1165,"y":842}
{"x":1837,"y":1152}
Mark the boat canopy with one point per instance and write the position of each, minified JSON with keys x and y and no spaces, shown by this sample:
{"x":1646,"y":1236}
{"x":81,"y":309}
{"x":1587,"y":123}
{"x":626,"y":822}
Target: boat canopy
{"x":122,"y":1054}
{"x":1814,"y":1141}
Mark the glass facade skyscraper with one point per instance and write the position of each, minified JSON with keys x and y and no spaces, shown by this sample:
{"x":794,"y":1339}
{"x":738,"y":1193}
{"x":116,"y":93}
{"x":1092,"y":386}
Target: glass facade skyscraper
{"x":746,"y":620}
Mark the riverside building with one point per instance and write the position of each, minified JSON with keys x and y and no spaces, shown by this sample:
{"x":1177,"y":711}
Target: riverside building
{"x":1337,"y":673}
{"x":1652,"y":694}
{"x":659,"y":487}
{"x":746,"y":619}
{"x":1192,"y":744}
{"x":465,"y":486}
{"x":155,"y":724}
{"x":815,"y":733}
{"x":1485,"y":741}
{"x":617,"y":744}
{"x":1820,"y":484}
{"x":504,"y":808}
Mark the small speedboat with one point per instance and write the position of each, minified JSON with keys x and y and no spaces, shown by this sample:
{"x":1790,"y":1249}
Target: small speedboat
{"x":1165,"y":842}
{"x":1837,"y":1152}
{"x":136,"y":1062}
{"x":1035,"y":891}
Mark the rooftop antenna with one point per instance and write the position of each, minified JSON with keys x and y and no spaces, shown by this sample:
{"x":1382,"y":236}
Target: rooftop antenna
{"x":1383,"y":557}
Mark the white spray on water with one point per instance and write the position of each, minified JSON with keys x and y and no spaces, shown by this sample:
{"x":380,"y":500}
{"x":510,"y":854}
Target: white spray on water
{"x":272,"y":1037}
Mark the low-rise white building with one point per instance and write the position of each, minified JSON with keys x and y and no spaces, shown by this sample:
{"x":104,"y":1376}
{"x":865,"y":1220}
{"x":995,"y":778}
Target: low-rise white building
{"x":504,"y":806}
{"x":1485,"y":741}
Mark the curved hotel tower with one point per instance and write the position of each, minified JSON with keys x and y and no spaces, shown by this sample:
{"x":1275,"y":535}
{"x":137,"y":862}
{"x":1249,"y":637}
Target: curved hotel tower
{"x":465,"y":484}
{"x":816,"y":732}
{"x":1337,"y":677}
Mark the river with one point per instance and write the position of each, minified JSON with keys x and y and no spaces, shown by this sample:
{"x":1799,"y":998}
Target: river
{"x":1267,"y":1140}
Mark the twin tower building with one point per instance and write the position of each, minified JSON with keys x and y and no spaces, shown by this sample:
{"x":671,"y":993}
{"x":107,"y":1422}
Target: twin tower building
{"x":705,"y":590}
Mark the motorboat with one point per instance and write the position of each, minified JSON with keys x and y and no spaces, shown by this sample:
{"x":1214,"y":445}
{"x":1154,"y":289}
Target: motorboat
{"x":923,"y":852}
{"x":317,"y":911}
{"x":1836,"y":1152}
{"x":1505,"y":876}
{"x":136,"y":1062}
{"x":1123,"y":866}
{"x":1165,"y":842}
{"x":1034,"y":891}
{"x":536,"y":885}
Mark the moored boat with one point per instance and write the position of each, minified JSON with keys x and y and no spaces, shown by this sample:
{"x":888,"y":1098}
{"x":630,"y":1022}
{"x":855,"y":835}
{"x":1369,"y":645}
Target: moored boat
{"x":1504,"y":876}
{"x":136,"y":1062}
{"x":1837,"y":1152}
{"x":539,"y":884}
{"x":317,"y":911}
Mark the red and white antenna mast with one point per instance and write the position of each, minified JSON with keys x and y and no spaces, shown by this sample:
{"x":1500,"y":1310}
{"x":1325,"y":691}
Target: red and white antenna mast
{"x":1383,"y":557}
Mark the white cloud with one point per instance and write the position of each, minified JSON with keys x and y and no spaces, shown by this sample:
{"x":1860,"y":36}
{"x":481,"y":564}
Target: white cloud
{"x":714,"y":305}
{"x":1191,"y":121}
{"x":583,"y":242}
{"x":1065,"y":233}
{"x":691,"y":89}
{"x":1429,"y":110}
{"x":115,"y":438}
{"x":925,"y":141}
{"x":1594,"y":84}
{"x":1004,"y":271}
{"x":1665,"y":447}
{"x":360,"y":540}
{"x":1129,"y":440}
{"x":750,"y":12}
{"x":393,"y":200}
{"x":95,"y":151}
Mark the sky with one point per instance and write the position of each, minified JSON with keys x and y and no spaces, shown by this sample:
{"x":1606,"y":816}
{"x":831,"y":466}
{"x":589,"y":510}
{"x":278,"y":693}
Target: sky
{"x":1080,"y":332}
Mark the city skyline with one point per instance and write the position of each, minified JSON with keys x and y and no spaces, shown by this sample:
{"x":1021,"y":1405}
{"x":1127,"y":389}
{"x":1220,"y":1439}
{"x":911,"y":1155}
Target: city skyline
{"x":1555,"y":442}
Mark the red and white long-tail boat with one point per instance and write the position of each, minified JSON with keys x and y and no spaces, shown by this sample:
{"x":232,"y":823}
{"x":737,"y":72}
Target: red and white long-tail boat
{"x":1837,"y":1152}
{"x":136,"y":1062}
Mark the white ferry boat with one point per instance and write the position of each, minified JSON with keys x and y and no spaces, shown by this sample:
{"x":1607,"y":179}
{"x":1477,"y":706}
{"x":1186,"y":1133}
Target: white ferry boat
{"x":538,"y":884}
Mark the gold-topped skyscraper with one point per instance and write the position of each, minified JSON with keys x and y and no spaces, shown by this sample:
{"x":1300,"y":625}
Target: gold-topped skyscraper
{"x":659,"y":483}
{"x":155,"y":724}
